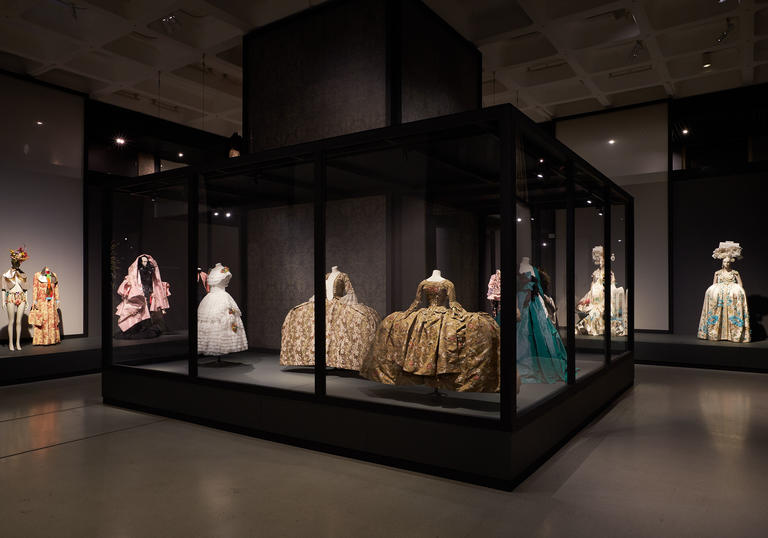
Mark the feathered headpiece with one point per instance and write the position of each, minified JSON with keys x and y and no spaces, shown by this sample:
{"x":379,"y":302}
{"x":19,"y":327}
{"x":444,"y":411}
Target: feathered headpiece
{"x":727,"y":249}
{"x":19,"y":255}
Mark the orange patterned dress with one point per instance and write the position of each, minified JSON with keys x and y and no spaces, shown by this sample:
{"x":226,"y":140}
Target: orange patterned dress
{"x":45,"y":297}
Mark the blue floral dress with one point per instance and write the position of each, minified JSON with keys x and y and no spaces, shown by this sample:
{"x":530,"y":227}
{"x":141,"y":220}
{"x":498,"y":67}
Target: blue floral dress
{"x":725,"y":315}
{"x":541,"y":355}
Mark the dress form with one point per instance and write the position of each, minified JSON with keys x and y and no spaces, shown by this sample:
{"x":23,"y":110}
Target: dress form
{"x":436,"y":276}
{"x":330,"y":280}
{"x":14,"y":282}
{"x":525,"y":266}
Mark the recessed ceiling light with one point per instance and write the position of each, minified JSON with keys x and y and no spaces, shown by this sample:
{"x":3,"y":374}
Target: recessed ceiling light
{"x":706,"y":60}
{"x":181,"y":154}
{"x":685,"y":131}
{"x":215,"y":213}
{"x":589,"y":201}
{"x":541,"y":160}
{"x":119,"y":140}
{"x":600,"y":213}
{"x":619,"y":240}
{"x":228,"y":214}
{"x":519,"y":219}
{"x":543,"y":244}
{"x":611,"y":141}
{"x":532,"y":219}
{"x":39,"y":123}
{"x":539,"y":176}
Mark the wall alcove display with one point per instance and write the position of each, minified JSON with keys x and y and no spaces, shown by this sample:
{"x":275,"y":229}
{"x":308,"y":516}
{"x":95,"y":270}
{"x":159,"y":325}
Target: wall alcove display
{"x":403,"y":234}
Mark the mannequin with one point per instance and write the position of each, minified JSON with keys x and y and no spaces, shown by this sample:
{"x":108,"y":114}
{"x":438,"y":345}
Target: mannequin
{"x":436,"y":276}
{"x":525,"y":265}
{"x":725,"y":314}
{"x":15,"y":295}
{"x":330,"y":280}
{"x":44,"y":313}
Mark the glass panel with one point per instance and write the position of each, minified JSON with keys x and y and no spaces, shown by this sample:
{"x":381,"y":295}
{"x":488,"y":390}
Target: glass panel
{"x":541,"y":188}
{"x":589,"y":272}
{"x":149,"y":274}
{"x":619,"y":293}
{"x":412,"y":237}
{"x":255,"y":261}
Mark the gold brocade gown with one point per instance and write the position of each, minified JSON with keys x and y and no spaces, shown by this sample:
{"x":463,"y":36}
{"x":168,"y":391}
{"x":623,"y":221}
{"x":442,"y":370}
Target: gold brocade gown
{"x":349,"y":328}
{"x":436,"y":342}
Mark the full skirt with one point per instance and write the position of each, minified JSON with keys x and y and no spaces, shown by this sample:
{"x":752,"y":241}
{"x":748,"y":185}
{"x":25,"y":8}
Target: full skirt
{"x":219,"y":325}
{"x":725,"y":315}
{"x":349,"y":331}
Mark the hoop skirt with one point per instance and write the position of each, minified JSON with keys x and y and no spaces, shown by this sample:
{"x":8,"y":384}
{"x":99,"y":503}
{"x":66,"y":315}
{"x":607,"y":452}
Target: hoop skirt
{"x":220,"y":327}
{"x":725,"y":314}
{"x":435,"y":342}
{"x":349,"y":328}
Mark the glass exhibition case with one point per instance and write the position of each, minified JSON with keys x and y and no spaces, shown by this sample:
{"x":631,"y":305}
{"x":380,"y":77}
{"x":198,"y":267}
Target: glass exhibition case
{"x":213,"y":276}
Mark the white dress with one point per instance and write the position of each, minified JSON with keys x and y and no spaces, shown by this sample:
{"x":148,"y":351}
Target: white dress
{"x":219,"y":325}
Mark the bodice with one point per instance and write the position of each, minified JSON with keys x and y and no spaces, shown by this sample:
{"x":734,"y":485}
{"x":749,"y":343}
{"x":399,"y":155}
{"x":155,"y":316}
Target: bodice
{"x":727,"y":277}
{"x":218,"y":278}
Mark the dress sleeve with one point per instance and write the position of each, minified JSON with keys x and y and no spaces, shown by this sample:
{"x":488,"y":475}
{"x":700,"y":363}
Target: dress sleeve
{"x":417,"y":300}
{"x":124,"y":288}
{"x":56,"y":289}
{"x":349,"y":296}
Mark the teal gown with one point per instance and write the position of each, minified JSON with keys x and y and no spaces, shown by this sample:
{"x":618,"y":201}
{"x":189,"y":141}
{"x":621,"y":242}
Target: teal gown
{"x":541,"y":355}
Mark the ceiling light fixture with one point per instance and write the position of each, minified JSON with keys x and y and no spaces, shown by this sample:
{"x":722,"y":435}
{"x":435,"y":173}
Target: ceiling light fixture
{"x":630,"y":71}
{"x":589,"y":201}
{"x":547,"y":65}
{"x":541,"y":160}
{"x":39,"y":123}
{"x":120,"y":141}
{"x":544,"y":244}
{"x":637,"y":49}
{"x":600,"y":213}
{"x":729,"y":26}
{"x":228,"y":214}
{"x":684,"y":131}
{"x":519,"y":219}
{"x":181,"y":154}
{"x":539,"y":176}
{"x":611,"y":141}
{"x":215,"y":213}
{"x":706,"y":60}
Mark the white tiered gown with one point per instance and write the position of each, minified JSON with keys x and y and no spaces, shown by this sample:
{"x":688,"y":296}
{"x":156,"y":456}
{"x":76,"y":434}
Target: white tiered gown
{"x":219,"y":325}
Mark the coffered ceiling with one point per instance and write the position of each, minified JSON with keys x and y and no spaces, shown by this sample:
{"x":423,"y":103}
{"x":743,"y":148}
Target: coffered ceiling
{"x":181,"y":60}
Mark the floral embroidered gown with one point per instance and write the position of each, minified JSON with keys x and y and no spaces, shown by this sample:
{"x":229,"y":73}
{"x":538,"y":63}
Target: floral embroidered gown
{"x":725,"y":315}
{"x":219,"y":324}
{"x":45,"y":293}
{"x":436,"y":342}
{"x":593,"y":305}
{"x":349,"y":328}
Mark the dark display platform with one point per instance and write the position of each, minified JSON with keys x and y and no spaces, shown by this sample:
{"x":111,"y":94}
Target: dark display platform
{"x":255,"y":368}
{"x":688,"y":350}
{"x":480,"y":452}
{"x":73,"y":356}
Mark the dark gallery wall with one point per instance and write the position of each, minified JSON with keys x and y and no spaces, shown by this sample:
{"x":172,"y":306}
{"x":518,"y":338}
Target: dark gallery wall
{"x":358,"y":65}
{"x":330,"y":81}
{"x":705,"y":212}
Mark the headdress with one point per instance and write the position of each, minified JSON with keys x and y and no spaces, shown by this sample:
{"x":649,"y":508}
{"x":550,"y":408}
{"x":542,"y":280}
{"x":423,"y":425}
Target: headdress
{"x":597,"y":254}
{"x":19,"y":255}
{"x":727,"y":249}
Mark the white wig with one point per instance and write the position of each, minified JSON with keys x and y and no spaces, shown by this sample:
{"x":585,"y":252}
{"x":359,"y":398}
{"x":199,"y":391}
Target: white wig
{"x":727,"y":249}
{"x":597,"y":254}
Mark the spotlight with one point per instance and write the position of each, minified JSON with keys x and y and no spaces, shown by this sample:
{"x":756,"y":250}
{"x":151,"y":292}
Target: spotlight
{"x":685,"y":131}
{"x":228,"y":214}
{"x":539,"y":176}
{"x":619,"y":240}
{"x":181,"y":154}
{"x":39,"y":123}
{"x":541,"y":160}
{"x":589,"y":201}
{"x":611,"y":141}
{"x":706,"y":60}
{"x":519,"y":219}
{"x":600,"y":213}
{"x":544,"y":244}
{"x":215,"y":213}
{"x":532,"y":219}
{"x":120,"y":141}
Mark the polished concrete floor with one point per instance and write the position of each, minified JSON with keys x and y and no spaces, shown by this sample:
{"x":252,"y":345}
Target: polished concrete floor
{"x":682,"y":454}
